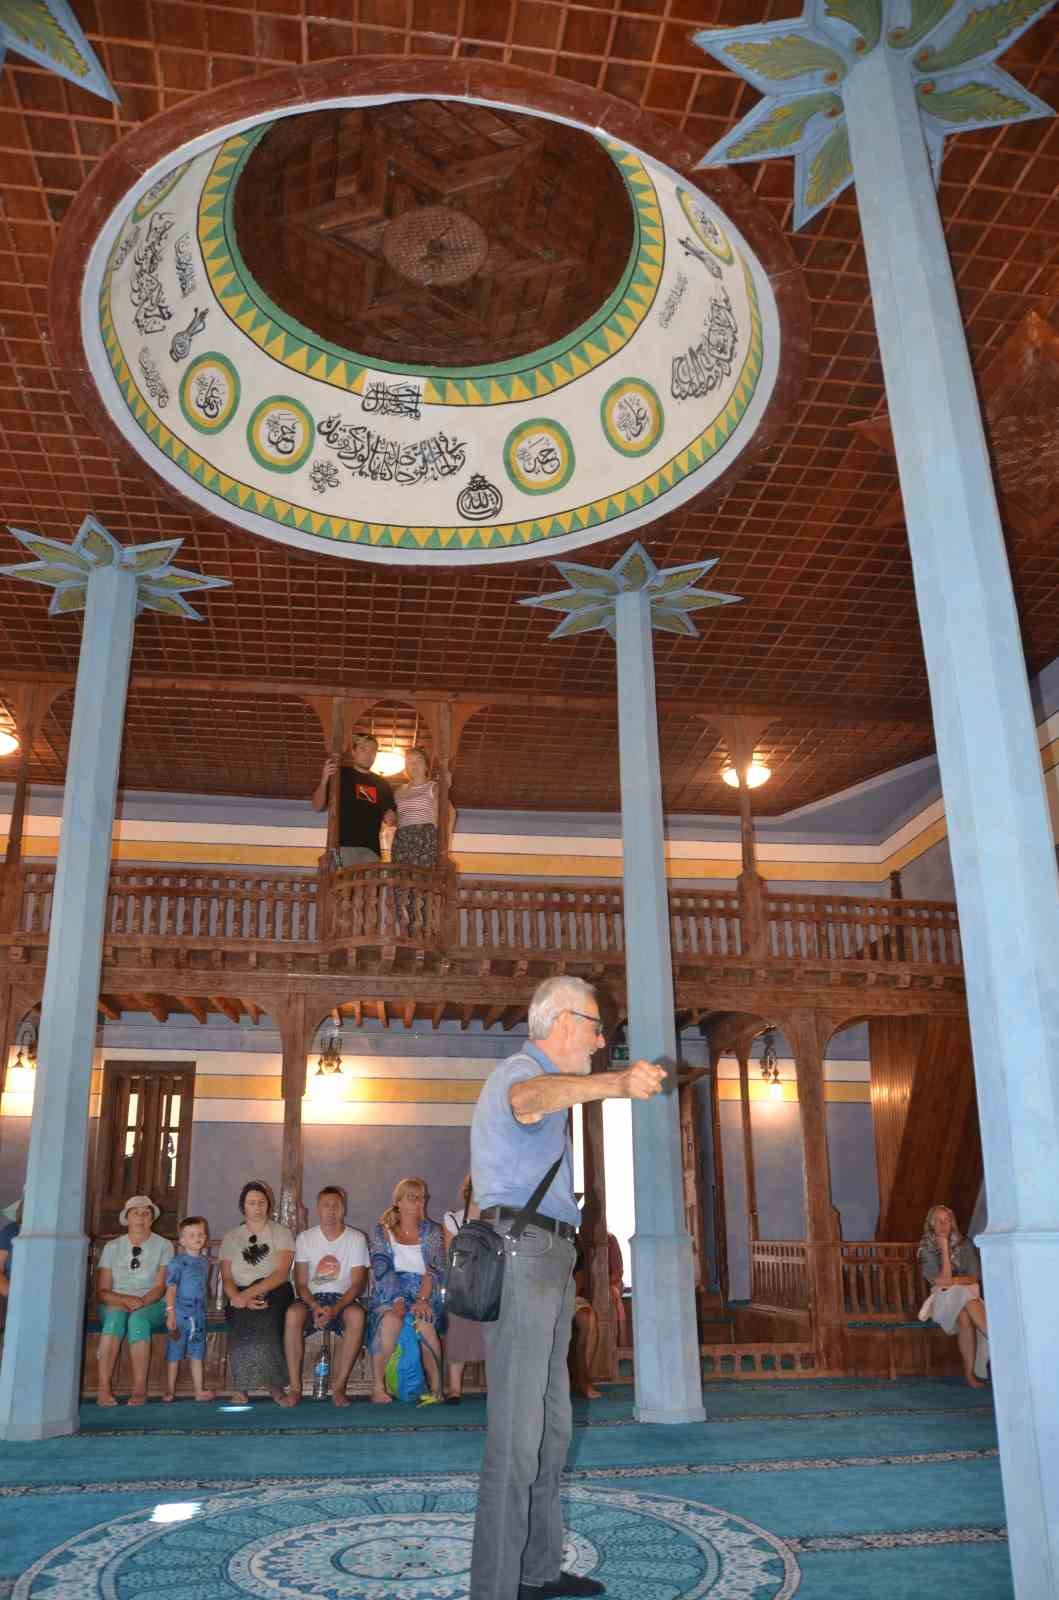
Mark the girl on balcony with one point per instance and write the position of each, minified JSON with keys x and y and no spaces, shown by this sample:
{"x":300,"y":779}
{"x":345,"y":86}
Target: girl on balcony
{"x":415,"y":844}
{"x":950,"y":1264}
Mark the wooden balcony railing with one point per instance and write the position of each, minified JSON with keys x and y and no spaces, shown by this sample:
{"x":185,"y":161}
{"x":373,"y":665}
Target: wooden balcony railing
{"x":494,"y":919}
{"x":881,"y":1282}
{"x":830,"y":928}
{"x":779,"y":1274}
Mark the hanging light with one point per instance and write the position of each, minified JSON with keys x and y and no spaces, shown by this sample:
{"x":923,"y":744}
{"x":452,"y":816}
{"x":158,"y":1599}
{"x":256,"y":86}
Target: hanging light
{"x":756,"y":775}
{"x":329,"y":1061}
{"x":770,"y":1069}
{"x":8,"y":743}
{"x":388,"y":763}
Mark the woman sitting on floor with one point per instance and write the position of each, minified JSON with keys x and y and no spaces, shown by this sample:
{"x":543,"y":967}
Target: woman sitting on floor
{"x":407,"y":1274}
{"x":255,"y":1268}
{"x":950,"y":1264}
{"x":130,"y":1288}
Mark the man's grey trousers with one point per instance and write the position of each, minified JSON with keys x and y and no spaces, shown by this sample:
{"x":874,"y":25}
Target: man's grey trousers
{"x":518,"y":1529}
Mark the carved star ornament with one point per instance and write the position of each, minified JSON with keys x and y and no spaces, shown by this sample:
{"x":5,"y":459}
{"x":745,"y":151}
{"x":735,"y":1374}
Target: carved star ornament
{"x":589,"y":600}
{"x":67,"y":568}
{"x":950,"y":47}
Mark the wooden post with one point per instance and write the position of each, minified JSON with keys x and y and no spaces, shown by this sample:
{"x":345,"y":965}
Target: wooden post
{"x":720,"y":1207}
{"x":740,"y":735}
{"x":31,"y":702}
{"x":594,"y":1211}
{"x":295,"y":1043}
{"x":808,"y":1033}
{"x":743,"y":1057}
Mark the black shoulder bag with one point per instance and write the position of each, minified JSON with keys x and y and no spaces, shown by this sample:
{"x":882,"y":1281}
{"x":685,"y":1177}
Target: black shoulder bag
{"x":474,"y":1272}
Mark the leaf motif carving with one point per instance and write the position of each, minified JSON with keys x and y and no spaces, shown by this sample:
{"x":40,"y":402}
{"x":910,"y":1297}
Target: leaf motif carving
{"x":864,"y":15}
{"x":830,"y":168}
{"x":971,"y":102}
{"x":925,"y":14}
{"x":788,"y":56}
{"x":783,"y":126}
{"x":981,"y":33}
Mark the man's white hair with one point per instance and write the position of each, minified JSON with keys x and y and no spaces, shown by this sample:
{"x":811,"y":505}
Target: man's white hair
{"x":554,"y":996}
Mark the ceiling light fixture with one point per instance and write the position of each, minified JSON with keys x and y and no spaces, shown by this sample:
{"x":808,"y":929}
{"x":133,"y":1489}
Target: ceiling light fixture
{"x":388,"y":763}
{"x":8,"y":743}
{"x":329,"y":1060}
{"x":770,"y":1069}
{"x":756,"y":775}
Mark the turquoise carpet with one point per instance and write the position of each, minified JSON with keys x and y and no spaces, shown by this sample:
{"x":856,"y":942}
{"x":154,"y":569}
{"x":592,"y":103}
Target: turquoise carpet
{"x":821,"y":1489}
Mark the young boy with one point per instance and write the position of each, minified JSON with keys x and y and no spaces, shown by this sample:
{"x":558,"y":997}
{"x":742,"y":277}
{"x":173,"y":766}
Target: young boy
{"x":185,"y":1305}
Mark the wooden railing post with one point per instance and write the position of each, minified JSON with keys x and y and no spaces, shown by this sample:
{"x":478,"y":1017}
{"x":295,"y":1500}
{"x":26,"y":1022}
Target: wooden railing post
{"x":808,"y":1033}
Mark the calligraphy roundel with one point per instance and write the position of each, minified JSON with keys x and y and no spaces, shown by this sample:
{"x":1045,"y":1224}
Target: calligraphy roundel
{"x":632,"y":416}
{"x":280,"y":433}
{"x":209,"y":392}
{"x":617,"y":421}
{"x":539,"y":456}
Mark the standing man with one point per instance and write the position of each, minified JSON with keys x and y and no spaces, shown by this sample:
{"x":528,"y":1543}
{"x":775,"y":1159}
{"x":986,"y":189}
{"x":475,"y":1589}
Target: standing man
{"x":520,"y":1127}
{"x":330,"y":1274}
{"x":365,"y":802}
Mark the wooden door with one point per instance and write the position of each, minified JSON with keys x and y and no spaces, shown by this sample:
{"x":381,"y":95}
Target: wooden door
{"x":144,"y":1142}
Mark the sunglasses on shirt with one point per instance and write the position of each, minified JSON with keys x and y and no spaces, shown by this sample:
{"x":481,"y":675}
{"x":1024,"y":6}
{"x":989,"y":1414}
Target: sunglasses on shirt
{"x":137,"y":1252}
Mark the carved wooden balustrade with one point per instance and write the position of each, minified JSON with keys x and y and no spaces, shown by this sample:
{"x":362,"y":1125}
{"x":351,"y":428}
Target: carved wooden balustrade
{"x":779,"y":1274}
{"x":843,"y":928}
{"x":444,"y":913}
{"x":881,"y":1281}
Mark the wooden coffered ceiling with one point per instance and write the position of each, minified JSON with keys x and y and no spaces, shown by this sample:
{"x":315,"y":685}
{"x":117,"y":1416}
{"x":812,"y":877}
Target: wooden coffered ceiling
{"x":827,"y":638}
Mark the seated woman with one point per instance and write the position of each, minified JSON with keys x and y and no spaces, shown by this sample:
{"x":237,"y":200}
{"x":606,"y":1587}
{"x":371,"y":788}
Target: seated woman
{"x":584,"y":1336}
{"x":463,"y":1338}
{"x":407,"y":1274}
{"x":950,"y":1264}
{"x":255,"y":1269}
{"x":130,"y":1288}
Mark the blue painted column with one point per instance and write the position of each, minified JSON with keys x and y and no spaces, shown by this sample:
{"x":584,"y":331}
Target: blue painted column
{"x":1002,"y":852}
{"x":41,"y":1372}
{"x":668,"y":1366}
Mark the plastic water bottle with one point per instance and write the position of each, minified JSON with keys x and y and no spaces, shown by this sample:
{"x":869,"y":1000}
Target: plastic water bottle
{"x":322,"y":1370}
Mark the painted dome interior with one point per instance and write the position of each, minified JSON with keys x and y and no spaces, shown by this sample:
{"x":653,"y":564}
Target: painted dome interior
{"x":317,"y":203}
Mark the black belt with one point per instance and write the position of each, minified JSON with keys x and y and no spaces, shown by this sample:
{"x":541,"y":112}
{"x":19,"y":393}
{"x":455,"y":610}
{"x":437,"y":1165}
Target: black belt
{"x":534,"y":1219}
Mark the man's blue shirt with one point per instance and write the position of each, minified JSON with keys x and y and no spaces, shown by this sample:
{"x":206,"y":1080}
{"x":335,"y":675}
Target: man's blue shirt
{"x":509,"y":1158}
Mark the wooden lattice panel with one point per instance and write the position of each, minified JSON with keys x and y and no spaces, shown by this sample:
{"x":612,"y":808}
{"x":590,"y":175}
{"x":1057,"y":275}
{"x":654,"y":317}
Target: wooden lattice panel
{"x":829,"y":613}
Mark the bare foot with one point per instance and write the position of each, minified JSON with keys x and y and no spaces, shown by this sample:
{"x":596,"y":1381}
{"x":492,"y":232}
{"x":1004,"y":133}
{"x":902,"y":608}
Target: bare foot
{"x":167,"y":1399}
{"x":293,"y":1397}
{"x":283,"y":1398}
{"x":105,"y":1398}
{"x":339,"y":1397}
{"x":591,"y":1393}
{"x":381,"y":1398}
{"x":205,"y":1394}
{"x":238,"y":1398}
{"x":973,"y":1382}
{"x":138,"y":1397}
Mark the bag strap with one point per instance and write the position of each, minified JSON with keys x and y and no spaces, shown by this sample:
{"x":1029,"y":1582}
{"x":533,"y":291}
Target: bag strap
{"x":535,"y":1198}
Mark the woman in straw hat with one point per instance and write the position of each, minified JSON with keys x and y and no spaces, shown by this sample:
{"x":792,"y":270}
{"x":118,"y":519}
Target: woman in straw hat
{"x":130,"y":1288}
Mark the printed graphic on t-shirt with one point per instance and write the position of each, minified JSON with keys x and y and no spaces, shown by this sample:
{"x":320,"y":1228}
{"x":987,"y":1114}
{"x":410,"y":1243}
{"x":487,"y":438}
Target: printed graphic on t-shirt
{"x":368,"y":792}
{"x":327,"y":1267}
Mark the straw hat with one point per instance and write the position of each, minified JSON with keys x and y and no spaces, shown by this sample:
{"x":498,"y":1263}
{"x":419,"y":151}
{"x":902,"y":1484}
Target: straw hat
{"x":137,"y":1200}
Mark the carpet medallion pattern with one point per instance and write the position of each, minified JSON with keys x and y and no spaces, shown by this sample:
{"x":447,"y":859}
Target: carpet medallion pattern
{"x":404,"y":1538}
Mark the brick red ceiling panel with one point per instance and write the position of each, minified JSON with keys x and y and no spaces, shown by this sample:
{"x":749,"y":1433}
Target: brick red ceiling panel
{"x":829,"y":616}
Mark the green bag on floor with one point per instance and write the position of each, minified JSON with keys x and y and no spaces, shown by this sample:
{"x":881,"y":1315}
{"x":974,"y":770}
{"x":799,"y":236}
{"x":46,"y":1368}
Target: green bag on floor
{"x":405,"y":1379}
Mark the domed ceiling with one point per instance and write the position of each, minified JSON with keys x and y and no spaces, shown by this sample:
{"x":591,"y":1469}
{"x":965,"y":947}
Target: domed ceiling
{"x":428,"y":331}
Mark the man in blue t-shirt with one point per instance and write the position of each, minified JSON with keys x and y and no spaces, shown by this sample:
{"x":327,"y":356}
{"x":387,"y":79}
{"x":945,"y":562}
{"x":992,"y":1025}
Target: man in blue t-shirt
{"x":520,"y":1129}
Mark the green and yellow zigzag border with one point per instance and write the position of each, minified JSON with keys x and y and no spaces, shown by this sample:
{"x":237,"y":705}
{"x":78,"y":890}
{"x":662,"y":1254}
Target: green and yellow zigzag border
{"x":293,"y":345}
{"x":341,"y":530}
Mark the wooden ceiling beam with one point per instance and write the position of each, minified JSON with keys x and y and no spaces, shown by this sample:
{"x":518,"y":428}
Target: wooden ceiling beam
{"x":155,"y":1004}
{"x":829,"y":713}
{"x":382,"y":1014}
{"x":409,"y":1015}
{"x":493,"y":1015}
{"x":197,"y":1008}
{"x":512,"y":1017}
{"x":253,"y":1010}
{"x":467,"y":1016}
{"x":357,"y":1008}
{"x":437,"y":1016}
{"x":232,"y":1009}
{"x":108,"y":1009}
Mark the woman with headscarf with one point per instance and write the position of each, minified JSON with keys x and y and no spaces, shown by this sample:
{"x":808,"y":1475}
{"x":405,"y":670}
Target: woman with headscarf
{"x":950,"y":1264}
{"x":407,"y":1275}
{"x":255,"y":1269}
{"x":130,"y":1289}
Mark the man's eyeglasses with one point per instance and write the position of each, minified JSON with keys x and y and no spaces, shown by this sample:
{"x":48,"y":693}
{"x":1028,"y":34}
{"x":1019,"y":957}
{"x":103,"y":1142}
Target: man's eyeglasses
{"x":597,"y":1022}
